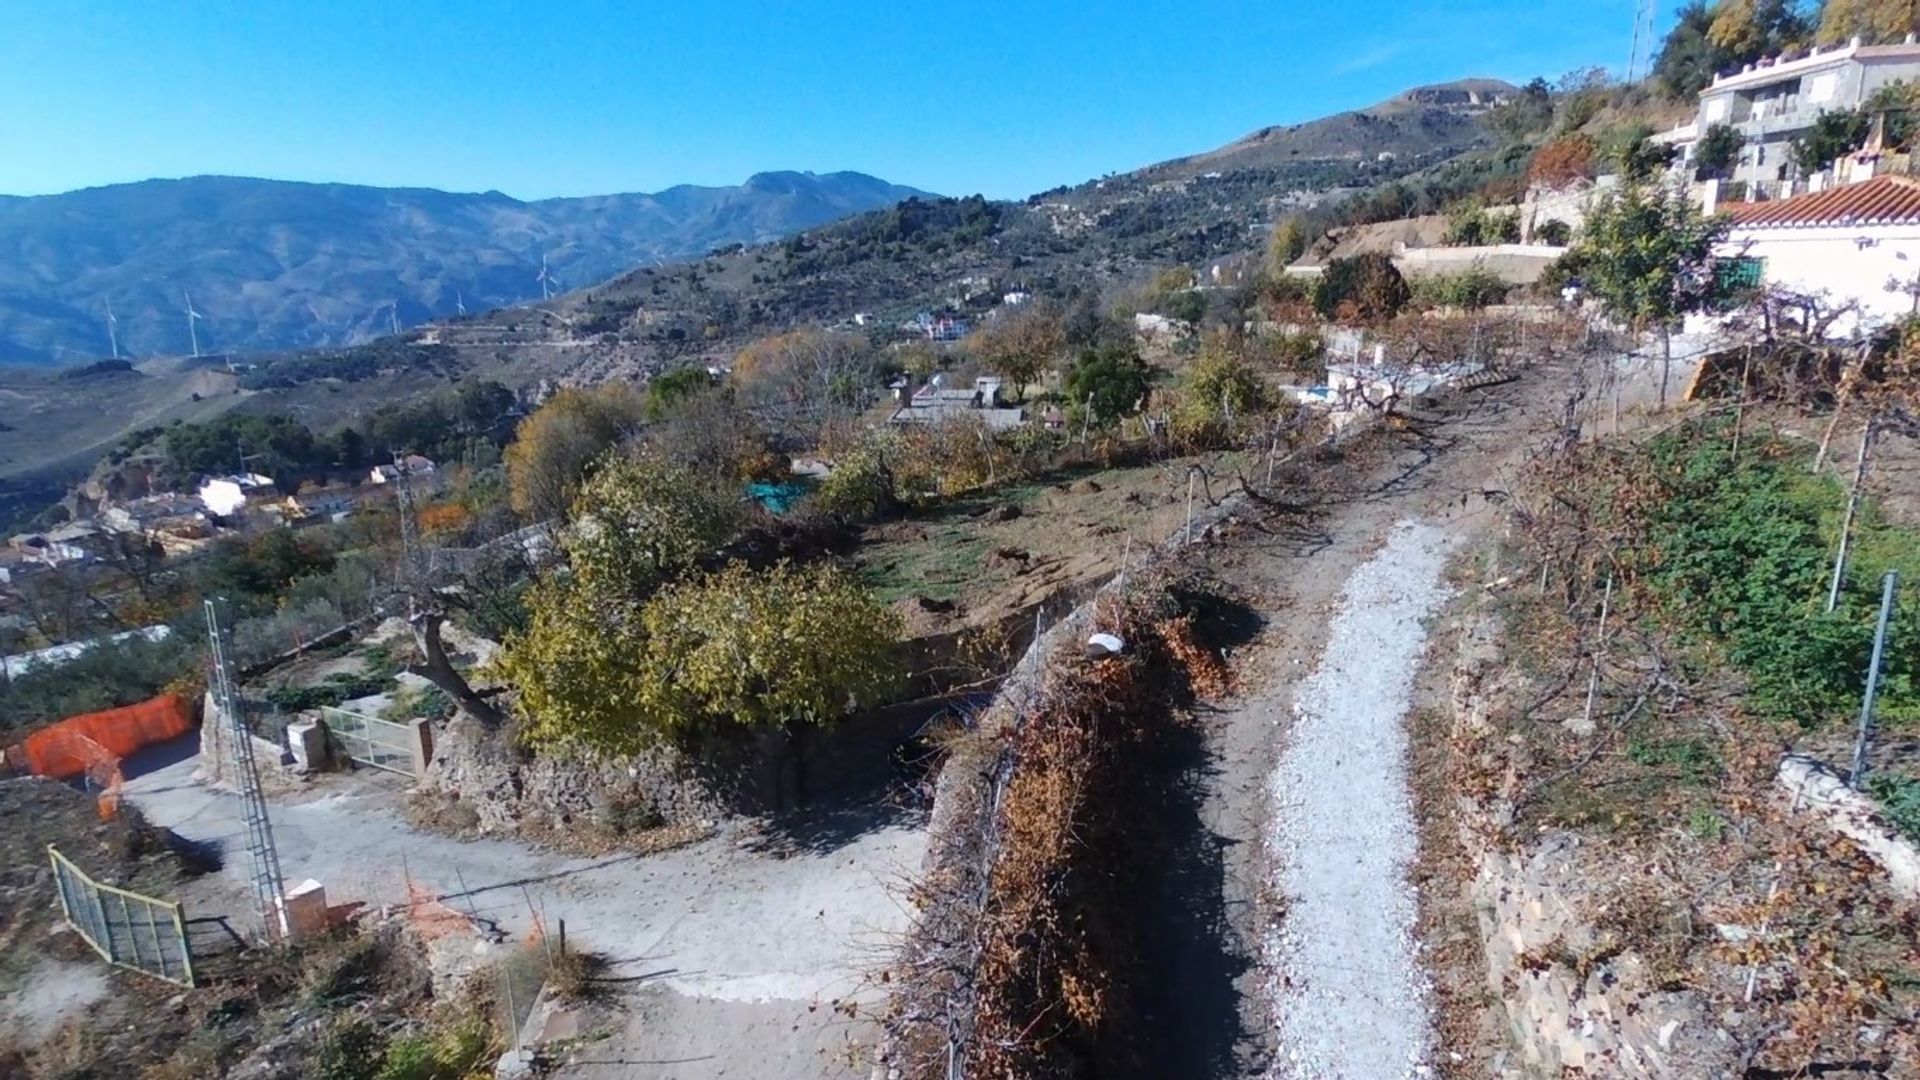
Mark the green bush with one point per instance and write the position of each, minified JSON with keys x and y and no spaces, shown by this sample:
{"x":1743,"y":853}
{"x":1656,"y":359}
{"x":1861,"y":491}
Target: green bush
{"x":1365,"y":287}
{"x":1472,"y":289}
{"x":1738,"y":555}
{"x":106,"y":676}
{"x":1899,"y":795}
{"x":1554,"y":233}
{"x":336,"y":689}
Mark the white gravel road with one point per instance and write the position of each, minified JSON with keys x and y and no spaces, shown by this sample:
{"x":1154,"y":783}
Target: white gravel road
{"x":1347,"y":990}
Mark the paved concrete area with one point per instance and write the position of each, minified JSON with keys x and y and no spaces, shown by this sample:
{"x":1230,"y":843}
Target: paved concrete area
{"x":739,"y":954}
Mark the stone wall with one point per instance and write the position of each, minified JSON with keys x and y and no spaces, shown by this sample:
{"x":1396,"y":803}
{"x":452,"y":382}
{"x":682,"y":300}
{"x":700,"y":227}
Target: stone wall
{"x":1573,"y":1001}
{"x":505,"y":787}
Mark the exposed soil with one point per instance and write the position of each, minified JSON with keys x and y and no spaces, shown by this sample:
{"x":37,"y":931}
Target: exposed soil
{"x":1448,"y":471}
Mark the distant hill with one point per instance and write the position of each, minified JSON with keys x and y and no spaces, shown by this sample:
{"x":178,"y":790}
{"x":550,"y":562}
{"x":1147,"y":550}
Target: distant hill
{"x":277,"y":265}
{"x":923,"y":254}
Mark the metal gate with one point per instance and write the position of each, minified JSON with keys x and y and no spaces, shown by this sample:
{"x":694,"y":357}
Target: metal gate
{"x":370,"y":740}
{"x":125,"y":928}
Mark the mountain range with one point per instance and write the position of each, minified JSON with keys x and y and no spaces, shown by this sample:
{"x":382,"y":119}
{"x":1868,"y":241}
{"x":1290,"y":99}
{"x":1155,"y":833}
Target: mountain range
{"x":317,"y":244}
{"x":274,"y":265}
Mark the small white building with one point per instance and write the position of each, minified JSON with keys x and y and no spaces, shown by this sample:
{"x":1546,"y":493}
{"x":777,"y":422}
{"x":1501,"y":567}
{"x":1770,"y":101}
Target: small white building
{"x":412,"y":465}
{"x":1856,"y":245}
{"x":225,"y":496}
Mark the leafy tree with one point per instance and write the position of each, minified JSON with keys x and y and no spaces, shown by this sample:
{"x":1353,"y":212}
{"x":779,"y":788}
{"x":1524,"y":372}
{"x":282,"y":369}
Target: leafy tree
{"x":1220,"y":389}
{"x":1897,"y":105}
{"x":1110,"y":381}
{"x":1562,"y":161}
{"x":479,"y":407}
{"x":1688,"y":58}
{"x":274,"y":444}
{"x":1526,"y":113}
{"x":807,"y":385}
{"x":769,"y":648}
{"x":1647,"y":253}
{"x":640,"y":520}
{"x":259,"y":571}
{"x":861,"y":485}
{"x":1364,"y":288}
{"x":668,"y":390}
{"x":765,"y":648}
{"x":1553,"y":232}
{"x":1288,"y":243}
{"x":1748,"y":29}
{"x":1833,"y":135}
{"x":1022,"y":344}
{"x":553,"y":448}
{"x":1718,"y":151}
{"x":1869,"y":20}
{"x":1633,"y":152}
{"x":1187,"y":305}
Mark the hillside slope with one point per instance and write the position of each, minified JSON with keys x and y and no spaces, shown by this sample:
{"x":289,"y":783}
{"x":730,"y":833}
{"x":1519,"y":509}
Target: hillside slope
{"x":274,"y":265}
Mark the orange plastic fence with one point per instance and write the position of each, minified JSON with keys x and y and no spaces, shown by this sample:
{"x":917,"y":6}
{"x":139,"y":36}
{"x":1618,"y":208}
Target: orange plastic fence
{"x":78,"y":744}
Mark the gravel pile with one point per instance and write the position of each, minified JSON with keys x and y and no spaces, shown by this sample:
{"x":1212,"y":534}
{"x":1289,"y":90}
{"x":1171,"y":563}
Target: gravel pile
{"x":1349,"y":996}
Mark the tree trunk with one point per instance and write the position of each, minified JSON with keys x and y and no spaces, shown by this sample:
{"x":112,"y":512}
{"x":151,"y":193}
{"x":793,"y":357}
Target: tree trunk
{"x":439,"y":671}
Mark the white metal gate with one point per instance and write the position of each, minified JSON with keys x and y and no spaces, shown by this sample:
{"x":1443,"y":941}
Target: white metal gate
{"x":370,"y":740}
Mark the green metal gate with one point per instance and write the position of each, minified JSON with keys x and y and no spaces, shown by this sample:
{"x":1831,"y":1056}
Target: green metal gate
{"x":125,"y":928}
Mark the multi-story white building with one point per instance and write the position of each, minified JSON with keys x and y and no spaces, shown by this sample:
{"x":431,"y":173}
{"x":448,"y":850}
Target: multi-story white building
{"x":1774,"y":102}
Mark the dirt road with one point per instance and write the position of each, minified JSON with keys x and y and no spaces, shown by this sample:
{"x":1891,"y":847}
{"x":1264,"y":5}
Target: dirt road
{"x":1285,"y":905}
{"x":732,"y":956}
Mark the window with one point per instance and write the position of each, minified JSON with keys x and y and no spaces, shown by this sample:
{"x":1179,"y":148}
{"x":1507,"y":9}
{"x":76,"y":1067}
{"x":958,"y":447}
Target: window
{"x":1736,"y":276}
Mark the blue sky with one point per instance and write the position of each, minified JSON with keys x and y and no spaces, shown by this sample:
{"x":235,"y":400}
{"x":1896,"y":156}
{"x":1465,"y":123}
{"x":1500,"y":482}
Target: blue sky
{"x":582,"y":98}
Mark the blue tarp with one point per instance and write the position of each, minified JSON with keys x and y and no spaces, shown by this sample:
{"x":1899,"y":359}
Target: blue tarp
{"x":777,"y":498}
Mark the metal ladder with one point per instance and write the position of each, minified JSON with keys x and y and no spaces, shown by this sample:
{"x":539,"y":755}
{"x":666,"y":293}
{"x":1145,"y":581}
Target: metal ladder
{"x":269,"y":888}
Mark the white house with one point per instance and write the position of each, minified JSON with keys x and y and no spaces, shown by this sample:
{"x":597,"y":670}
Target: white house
{"x":411,"y":465}
{"x":1854,"y":245}
{"x":1776,"y":100}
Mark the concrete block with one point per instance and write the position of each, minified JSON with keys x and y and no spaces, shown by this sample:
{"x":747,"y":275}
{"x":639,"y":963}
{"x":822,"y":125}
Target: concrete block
{"x":422,"y":746}
{"x":303,"y":911}
{"x":307,"y":740}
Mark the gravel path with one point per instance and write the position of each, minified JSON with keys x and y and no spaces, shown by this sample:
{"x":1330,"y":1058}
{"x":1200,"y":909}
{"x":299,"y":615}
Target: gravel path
{"x":1347,"y":987}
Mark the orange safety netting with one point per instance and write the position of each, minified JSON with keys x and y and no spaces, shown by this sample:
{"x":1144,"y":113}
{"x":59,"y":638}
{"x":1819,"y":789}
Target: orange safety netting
{"x":75,"y":745}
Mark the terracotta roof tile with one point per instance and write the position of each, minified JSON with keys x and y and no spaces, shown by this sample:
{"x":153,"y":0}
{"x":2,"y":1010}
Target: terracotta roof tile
{"x":1883,"y":200}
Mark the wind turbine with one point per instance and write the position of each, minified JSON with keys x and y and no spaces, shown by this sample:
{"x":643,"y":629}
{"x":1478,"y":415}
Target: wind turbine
{"x":393,"y":317}
{"x":459,"y":302}
{"x":113,"y":331}
{"x":193,"y":333}
{"x":546,"y":280}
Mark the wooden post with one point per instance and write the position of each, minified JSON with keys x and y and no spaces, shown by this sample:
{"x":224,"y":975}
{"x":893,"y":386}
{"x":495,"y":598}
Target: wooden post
{"x":1599,"y":645}
{"x":1826,"y":437}
{"x":1846,"y":523}
{"x":1190,"y":478}
{"x":1740,"y":406}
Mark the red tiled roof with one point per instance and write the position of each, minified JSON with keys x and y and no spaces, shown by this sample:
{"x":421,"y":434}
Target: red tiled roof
{"x":1883,"y":200}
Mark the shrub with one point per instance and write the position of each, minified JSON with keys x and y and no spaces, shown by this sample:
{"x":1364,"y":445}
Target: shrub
{"x":1554,"y":233}
{"x":1472,"y":289}
{"x":1110,"y":380}
{"x":1899,"y":795}
{"x":1220,"y":389}
{"x":1366,"y":288}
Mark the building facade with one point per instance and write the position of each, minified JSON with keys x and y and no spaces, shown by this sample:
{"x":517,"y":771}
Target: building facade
{"x":1855,"y":249}
{"x":1775,"y":102}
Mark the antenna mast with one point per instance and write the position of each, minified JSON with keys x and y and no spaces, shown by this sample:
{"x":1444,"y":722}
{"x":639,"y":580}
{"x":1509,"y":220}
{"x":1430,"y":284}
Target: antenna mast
{"x":269,"y":888}
{"x":1639,"y":59}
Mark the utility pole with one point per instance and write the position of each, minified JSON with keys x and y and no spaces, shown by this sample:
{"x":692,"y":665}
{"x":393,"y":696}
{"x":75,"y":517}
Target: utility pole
{"x":1887,"y":590}
{"x":269,"y":888}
